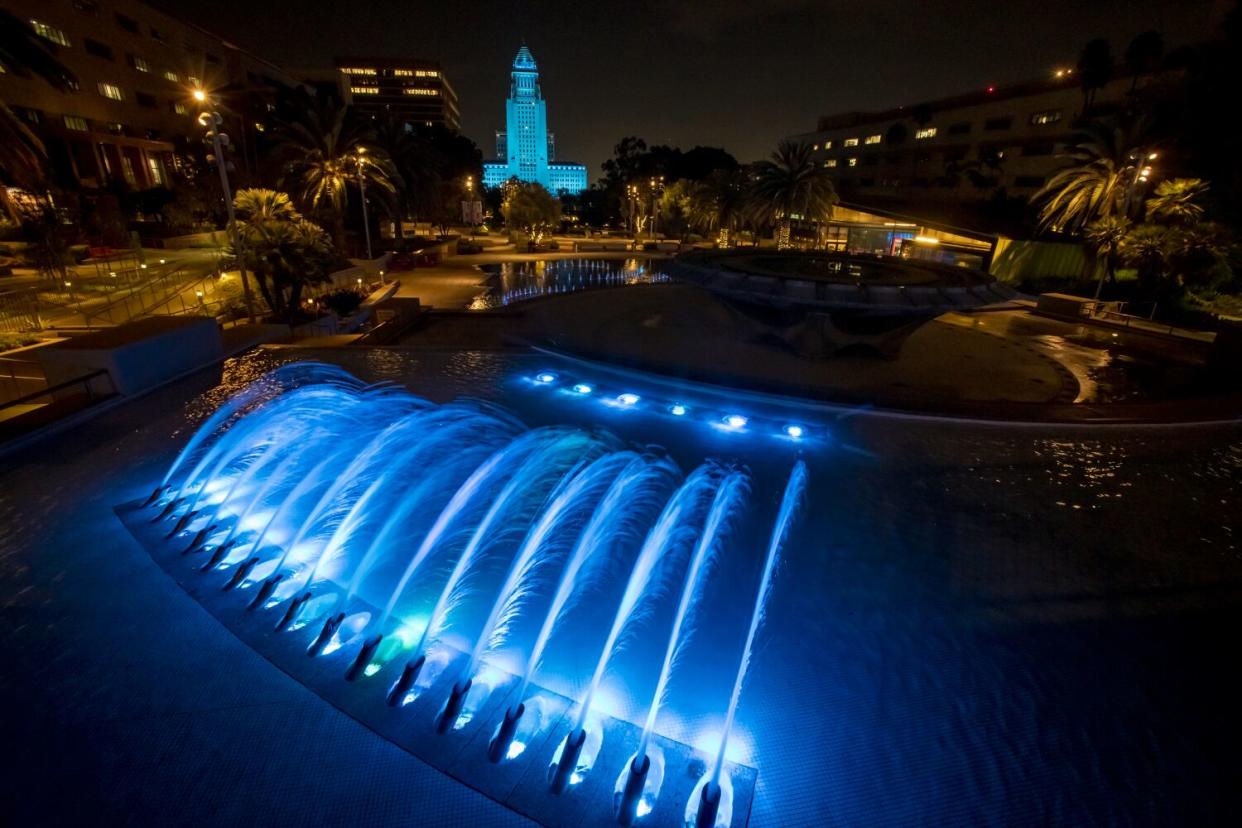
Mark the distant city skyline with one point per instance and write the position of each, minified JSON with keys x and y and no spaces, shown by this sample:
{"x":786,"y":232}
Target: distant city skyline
{"x":737,"y":75}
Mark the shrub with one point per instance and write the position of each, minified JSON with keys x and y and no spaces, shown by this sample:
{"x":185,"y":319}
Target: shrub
{"x":343,"y":302}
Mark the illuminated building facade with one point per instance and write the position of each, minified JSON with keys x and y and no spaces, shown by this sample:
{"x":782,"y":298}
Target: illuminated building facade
{"x":964,"y":148}
{"x":416,"y":91}
{"x":129,"y":119}
{"x":525,"y":149}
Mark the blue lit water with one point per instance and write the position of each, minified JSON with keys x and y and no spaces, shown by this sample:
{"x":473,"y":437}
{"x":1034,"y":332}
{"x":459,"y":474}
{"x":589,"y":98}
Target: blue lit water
{"x":971,"y":624}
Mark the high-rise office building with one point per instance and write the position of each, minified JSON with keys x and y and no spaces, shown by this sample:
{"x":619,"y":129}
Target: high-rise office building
{"x":526,"y":150}
{"x":415,"y":91}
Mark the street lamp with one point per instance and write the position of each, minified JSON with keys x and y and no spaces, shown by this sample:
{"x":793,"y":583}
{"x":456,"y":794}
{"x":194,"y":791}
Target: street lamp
{"x":213,"y":120}
{"x":361,"y":160}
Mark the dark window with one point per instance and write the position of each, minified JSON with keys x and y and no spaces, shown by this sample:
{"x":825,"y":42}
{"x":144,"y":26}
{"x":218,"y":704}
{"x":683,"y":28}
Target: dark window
{"x":158,"y":35}
{"x":129,"y":24}
{"x":115,"y":128}
{"x":955,"y":155}
{"x":960,"y":129}
{"x":1028,"y":181}
{"x":31,"y":115}
{"x":145,"y":100}
{"x":99,"y":50}
{"x":1003,"y":122}
{"x":870,"y":161}
{"x":866,"y":182}
{"x":213,"y":59}
{"x":86,"y":6}
{"x":1047,"y":148}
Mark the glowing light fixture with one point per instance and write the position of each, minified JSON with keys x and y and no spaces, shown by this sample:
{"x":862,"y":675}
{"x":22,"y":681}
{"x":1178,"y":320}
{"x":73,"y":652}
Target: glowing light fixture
{"x":628,"y":399}
{"x":795,"y":432}
{"x":545,"y":378}
{"x":735,"y":421}
{"x":677,"y":410}
{"x":582,"y":388}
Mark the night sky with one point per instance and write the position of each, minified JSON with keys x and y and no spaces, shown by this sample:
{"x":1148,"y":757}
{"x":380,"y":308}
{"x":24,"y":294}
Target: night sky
{"x":734,"y":73}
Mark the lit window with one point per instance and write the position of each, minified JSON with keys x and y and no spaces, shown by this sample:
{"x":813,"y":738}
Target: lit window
{"x":925,"y":133}
{"x":827,"y":145}
{"x":155,"y":172}
{"x":75,"y":123}
{"x":351,"y":70}
{"x":416,"y":91}
{"x":853,"y":162}
{"x":193,"y":81}
{"x":139,"y":64}
{"x":111,"y":90}
{"x":364,"y":90}
{"x":815,"y":147}
{"x":180,"y":108}
{"x":850,"y":142}
{"x":1048,"y":116}
{"x":47,"y":32}
{"x":831,"y":162}
{"x":872,"y":139}
{"x":172,"y":76}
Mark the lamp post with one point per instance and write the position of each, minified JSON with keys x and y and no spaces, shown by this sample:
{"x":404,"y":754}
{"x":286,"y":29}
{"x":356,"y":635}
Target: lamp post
{"x":470,"y":201}
{"x":360,"y":157}
{"x":213,"y":120}
{"x":657,"y":184}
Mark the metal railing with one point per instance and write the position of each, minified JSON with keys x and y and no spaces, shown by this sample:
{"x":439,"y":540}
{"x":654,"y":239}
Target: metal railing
{"x":1113,"y":313}
{"x":88,"y":395}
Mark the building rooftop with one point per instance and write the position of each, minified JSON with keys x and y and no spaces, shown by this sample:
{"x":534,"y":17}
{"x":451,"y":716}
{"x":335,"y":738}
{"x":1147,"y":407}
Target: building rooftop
{"x":524,"y":59}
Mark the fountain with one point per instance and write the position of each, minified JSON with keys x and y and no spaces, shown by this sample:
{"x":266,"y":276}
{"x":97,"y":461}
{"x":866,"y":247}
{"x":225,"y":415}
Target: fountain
{"x":342,"y":510}
{"x":635,"y":795}
{"x":711,"y":804}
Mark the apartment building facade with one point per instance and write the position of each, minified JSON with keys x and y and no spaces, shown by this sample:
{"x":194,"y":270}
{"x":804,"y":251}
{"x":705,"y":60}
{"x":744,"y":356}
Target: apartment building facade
{"x":132,"y":116}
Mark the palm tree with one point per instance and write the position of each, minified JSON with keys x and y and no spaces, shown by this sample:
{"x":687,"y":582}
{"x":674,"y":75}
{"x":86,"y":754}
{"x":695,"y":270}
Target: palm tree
{"x":1176,"y":202}
{"x":1143,"y":56}
{"x":1096,"y":182}
{"x":718,"y":203}
{"x":792,"y":183}
{"x":1095,"y":69}
{"x":1104,"y":237}
{"x":283,"y":250}
{"x":22,"y":154}
{"x":323,"y":153}
{"x":414,"y":168}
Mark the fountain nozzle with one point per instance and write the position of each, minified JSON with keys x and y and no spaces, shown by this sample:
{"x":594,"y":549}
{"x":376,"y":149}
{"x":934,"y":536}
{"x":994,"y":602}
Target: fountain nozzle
{"x":199,"y":539}
{"x":291,"y":612}
{"x":498,"y":747}
{"x":167,"y":510}
{"x":240,"y":575}
{"x":182,"y":522}
{"x":627,"y":808}
{"x":452,"y":707}
{"x":569,"y":760}
{"x":265,"y":591}
{"x":364,"y":656}
{"x":709,"y":806}
{"x":403,"y":684}
{"x":330,"y":626}
{"x":217,"y":555}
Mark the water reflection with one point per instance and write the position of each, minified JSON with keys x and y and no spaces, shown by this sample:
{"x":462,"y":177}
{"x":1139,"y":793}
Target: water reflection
{"x":518,"y":281}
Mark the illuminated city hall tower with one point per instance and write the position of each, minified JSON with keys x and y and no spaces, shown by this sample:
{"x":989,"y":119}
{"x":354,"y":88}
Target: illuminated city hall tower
{"x":525,"y":149}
